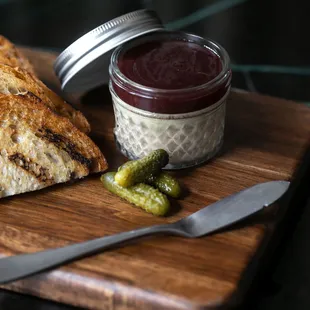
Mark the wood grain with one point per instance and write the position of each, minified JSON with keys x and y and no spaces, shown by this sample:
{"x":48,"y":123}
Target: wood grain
{"x":263,"y":141}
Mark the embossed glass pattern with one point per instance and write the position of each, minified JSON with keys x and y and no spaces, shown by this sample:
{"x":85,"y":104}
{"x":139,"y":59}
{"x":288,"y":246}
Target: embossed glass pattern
{"x":190,"y":138}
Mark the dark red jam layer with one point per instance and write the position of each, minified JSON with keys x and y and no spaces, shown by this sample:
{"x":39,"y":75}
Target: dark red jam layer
{"x":170,"y":65}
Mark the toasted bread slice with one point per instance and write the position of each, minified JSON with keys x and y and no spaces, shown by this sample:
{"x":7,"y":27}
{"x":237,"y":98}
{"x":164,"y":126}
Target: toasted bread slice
{"x":10,"y":55}
{"x":39,"y":148}
{"x":17,"y":81}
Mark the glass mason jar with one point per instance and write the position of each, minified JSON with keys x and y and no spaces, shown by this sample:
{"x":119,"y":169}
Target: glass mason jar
{"x":187,"y":122}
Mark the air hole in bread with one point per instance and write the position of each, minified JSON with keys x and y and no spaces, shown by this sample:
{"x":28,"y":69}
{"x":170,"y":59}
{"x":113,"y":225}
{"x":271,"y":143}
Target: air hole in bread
{"x":13,"y":90}
{"x":22,"y":91}
{"x":13,"y":127}
{"x":66,"y":158}
{"x":16,"y":138}
{"x":51,"y":157}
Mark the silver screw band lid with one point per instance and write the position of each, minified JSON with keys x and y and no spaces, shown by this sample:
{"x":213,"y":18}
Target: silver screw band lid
{"x":84,"y":64}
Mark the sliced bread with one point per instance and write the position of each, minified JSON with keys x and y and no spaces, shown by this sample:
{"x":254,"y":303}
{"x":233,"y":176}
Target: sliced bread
{"x":39,"y":148}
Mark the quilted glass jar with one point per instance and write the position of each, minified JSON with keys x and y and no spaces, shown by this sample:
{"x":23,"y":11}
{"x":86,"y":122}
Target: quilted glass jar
{"x":169,"y":91}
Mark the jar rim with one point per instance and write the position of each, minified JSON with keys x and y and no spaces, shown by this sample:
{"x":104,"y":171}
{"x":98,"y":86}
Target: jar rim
{"x":211,"y":44}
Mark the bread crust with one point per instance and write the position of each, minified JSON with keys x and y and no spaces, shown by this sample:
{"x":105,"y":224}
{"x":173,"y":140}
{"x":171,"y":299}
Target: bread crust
{"x":22,"y":75}
{"x":17,"y":81}
{"x":10,"y":55}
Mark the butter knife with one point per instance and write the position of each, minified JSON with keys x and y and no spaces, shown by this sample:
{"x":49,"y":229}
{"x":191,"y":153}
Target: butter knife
{"x":209,"y":219}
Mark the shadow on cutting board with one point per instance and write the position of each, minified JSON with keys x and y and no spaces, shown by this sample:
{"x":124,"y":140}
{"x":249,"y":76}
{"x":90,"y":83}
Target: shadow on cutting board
{"x":278,"y":275}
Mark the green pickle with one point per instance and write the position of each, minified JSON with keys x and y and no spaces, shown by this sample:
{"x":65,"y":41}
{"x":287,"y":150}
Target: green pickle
{"x":166,"y":184}
{"x":137,"y":171}
{"x":141,"y":195}
{"x":162,"y":181}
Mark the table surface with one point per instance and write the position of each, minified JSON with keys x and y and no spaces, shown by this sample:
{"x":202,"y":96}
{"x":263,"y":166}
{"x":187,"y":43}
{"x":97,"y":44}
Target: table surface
{"x":262,"y":143}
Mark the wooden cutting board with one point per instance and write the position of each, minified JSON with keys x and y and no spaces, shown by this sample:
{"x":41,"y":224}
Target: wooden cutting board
{"x":264,"y":139}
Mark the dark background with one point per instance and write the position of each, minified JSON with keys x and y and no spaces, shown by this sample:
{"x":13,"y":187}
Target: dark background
{"x":268,"y":42}
{"x":266,"y":39}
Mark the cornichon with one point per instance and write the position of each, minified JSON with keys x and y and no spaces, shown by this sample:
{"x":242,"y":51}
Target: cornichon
{"x":166,"y":184}
{"x":138,"y":171}
{"x":162,"y":181}
{"x":141,"y":195}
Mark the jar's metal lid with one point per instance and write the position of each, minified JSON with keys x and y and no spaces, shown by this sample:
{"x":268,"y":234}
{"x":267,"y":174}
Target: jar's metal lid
{"x":84,"y":64}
